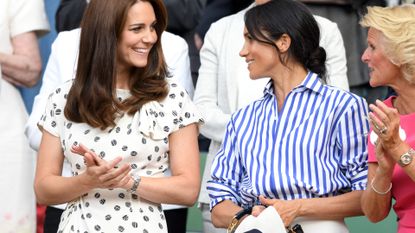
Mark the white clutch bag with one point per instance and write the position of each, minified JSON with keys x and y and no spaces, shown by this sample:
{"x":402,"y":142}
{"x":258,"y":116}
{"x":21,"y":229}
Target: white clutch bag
{"x":269,"y":221}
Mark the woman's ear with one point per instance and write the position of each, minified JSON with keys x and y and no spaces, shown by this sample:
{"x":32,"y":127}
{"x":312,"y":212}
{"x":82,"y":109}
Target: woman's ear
{"x":283,"y":43}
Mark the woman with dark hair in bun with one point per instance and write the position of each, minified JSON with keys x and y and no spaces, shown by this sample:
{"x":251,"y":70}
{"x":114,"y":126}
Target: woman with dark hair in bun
{"x":302,"y":147}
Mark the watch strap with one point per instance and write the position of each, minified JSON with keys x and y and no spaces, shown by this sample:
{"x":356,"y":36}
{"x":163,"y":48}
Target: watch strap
{"x":236,"y":219}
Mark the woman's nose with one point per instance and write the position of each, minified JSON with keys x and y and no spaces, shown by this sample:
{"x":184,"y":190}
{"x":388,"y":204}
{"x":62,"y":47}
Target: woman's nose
{"x":150,"y":36}
{"x":365,"y":56}
{"x":243,"y":51}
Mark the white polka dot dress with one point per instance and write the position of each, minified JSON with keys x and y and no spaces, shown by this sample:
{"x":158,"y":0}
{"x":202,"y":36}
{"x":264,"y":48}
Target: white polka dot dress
{"x":142,"y":141}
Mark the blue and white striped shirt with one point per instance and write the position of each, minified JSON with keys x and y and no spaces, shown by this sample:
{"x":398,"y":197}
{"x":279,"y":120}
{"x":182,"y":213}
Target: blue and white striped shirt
{"x":315,"y":146}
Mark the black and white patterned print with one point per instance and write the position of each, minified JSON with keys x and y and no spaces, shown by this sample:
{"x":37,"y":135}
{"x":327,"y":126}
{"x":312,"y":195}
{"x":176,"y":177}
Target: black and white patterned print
{"x":142,"y":141}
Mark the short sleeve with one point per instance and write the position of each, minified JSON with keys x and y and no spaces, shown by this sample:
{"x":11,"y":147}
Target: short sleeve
{"x":52,"y":119}
{"x":159,"y":119}
{"x":28,"y":15}
{"x":188,"y":113}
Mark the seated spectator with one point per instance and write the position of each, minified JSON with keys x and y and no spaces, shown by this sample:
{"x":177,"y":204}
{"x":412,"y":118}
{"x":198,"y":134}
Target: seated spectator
{"x":390,"y":57}
{"x":147,"y":36}
{"x":306,"y":150}
{"x":224,"y":86}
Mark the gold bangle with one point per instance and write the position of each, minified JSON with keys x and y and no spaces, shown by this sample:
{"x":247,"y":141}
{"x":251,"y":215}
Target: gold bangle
{"x":233,"y":225}
{"x":379,"y":192}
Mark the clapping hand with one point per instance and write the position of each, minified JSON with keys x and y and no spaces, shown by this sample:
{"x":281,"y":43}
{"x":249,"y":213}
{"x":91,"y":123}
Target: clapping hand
{"x":385,"y":123}
{"x":101,"y":173}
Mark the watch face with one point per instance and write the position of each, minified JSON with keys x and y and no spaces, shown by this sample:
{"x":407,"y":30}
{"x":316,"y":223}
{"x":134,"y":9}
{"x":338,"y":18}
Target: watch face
{"x":406,"y":159}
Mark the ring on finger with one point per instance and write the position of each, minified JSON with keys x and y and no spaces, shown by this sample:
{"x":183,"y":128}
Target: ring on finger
{"x":376,"y":126}
{"x":383,"y":130}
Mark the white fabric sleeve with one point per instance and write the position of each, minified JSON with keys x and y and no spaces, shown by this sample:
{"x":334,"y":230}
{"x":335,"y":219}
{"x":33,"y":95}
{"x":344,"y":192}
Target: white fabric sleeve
{"x":28,"y":15}
{"x":176,"y":52}
{"x":51,"y":79}
{"x":206,"y":92}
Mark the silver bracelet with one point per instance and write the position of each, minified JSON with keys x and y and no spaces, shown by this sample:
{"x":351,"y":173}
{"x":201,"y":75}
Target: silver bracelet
{"x":137,"y":180}
{"x":379,"y":192}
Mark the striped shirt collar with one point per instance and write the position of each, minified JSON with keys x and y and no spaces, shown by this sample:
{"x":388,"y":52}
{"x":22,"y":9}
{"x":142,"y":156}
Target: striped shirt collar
{"x":311,"y":82}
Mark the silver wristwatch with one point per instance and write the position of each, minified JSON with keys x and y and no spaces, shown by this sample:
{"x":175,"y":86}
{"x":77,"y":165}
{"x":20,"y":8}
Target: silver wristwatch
{"x":406,"y":158}
{"x":137,"y":180}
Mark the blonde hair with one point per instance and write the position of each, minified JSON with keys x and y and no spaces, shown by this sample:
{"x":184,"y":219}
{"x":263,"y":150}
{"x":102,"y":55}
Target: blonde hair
{"x":397,"y":25}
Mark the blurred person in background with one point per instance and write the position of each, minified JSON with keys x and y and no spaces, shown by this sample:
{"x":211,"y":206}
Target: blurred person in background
{"x":215,"y":10}
{"x":21,"y":23}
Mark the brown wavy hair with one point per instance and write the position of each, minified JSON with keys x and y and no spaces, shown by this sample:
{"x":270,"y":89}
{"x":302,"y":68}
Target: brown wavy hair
{"x":92,"y":98}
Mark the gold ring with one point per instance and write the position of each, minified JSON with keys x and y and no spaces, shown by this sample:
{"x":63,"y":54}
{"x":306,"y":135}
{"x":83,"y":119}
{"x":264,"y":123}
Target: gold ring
{"x":383,"y":130}
{"x":375,"y":125}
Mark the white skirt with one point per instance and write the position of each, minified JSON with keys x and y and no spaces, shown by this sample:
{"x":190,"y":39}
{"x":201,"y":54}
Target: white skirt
{"x":17,"y":160}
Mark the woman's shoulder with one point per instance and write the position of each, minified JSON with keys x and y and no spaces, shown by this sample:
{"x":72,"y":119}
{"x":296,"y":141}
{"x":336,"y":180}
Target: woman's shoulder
{"x":342,"y":95}
{"x":176,"y":91}
{"x":160,"y":118}
{"x":345,"y":104}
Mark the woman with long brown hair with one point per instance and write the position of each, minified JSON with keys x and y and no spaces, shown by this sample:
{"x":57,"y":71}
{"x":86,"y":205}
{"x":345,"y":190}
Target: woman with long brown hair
{"x":120,"y":123}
